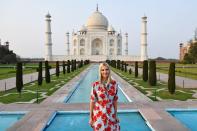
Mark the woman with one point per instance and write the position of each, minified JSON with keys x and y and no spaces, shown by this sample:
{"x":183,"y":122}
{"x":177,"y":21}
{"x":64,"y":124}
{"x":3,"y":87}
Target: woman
{"x":103,"y":102}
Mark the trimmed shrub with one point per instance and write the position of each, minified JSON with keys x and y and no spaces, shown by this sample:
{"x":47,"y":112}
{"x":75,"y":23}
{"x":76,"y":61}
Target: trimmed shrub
{"x":57,"y":69}
{"x":136,"y":69}
{"x":19,"y":77}
{"x":145,"y":70}
{"x":122,"y":65}
{"x":47,"y":72}
{"x":118,"y":64}
{"x":64,"y":68}
{"x":125,"y":68}
{"x":40,"y":74}
{"x":152,"y":73}
{"x":171,"y":78}
{"x":68,"y":66}
{"x":130,"y":71}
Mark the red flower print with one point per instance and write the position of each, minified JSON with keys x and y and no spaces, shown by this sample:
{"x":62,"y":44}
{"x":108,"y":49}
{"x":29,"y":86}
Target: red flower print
{"x":94,"y":118}
{"x":111,"y":92}
{"x":112,"y":87}
{"x":96,"y":108}
{"x":113,"y":115}
{"x":108,"y":128}
{"x":104,"y":117}
{"x":99,"y":114}
{"x":98,"y":126}
{"x":108,"y":111}
{"x":103,"y":103}
{"x":102,"y":96}
{"x":110,"y":122}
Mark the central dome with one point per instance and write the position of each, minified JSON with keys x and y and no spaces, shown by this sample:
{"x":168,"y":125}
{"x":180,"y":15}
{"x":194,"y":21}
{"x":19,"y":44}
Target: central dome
{"x":97,"y":21}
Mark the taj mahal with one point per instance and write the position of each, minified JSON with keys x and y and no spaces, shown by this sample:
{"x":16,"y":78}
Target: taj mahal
{"x":97,"y":40}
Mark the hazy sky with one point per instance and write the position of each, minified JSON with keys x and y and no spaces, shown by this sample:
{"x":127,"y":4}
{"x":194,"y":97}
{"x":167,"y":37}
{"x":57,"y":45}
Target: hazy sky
{"x":22,"y":23}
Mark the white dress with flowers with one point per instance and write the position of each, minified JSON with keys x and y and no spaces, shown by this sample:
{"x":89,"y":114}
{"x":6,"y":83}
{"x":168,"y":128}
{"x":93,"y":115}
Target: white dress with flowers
{"x":103,"y":112}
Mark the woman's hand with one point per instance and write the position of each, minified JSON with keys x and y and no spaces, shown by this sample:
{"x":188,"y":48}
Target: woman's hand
{"x":91,"y":122}
{"x":117,"y":119}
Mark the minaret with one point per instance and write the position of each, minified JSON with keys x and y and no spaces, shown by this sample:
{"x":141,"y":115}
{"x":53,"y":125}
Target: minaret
{"x":126,"y":44}
{"x":67,"y":42}
{"x":48,"y":53}
{"x":144,"y":55}
{"x":180,"y":51}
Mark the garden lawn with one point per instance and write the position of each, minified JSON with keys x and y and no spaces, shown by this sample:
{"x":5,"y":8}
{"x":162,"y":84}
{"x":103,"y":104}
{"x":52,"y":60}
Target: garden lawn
{"x":184,"y":70}
{"x":160,"y":90}
{"x":11,"y":72}
{"x":29,"y":91}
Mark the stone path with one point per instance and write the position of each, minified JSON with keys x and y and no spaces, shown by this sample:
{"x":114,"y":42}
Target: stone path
{"x":180,"y":81}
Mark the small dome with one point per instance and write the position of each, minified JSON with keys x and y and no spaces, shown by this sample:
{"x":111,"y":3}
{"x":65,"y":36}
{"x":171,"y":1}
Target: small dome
{"x":97,"y":21}
{"x":110,"y":29}
{"x":83,"y":28}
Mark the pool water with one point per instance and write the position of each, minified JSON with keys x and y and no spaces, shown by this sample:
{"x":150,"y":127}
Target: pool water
{"x":187,"y":117}
{"x":7,"y":120}
{"x":64,"y":121}
{"x":81,"y":94}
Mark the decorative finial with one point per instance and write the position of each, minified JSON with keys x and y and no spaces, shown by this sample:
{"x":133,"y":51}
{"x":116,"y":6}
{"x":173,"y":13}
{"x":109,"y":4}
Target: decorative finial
{"x":48,"y":15}
{"x":96,"y":7}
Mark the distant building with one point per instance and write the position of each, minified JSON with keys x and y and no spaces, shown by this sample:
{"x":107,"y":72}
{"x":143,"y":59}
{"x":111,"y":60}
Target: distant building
{"x":184,"y":47}
{"x":96,"y":41}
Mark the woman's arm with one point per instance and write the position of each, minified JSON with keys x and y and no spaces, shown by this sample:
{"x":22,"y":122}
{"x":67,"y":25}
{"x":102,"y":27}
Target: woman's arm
{"x":115,"y":103}
{"x":115,"y":108}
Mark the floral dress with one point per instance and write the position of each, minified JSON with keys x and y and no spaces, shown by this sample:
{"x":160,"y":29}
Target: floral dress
{"x":103,"y":112}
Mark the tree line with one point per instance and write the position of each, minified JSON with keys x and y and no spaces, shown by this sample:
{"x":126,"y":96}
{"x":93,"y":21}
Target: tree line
{"x":149,"y":73}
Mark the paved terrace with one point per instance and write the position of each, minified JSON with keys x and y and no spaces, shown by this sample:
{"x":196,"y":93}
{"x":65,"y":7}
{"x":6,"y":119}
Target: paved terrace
{"x":154,"y":112}
{"x":180,"y":81}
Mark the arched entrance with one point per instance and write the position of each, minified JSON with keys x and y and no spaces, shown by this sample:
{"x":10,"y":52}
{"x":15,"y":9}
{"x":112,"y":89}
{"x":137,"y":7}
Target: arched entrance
{"x":97,"y":47}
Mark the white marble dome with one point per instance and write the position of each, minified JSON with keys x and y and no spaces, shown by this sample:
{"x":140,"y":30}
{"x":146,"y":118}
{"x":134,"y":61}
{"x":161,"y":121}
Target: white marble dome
{"x":83,"y":28}
{"x":97,"y":21}
{"x":110,"y":28}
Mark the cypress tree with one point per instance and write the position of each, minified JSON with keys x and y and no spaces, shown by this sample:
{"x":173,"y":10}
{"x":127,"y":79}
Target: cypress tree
{"x":136,"y":69}
{"x":47,"y":72}
{"x":125,"y":68}
{"x":145,"y":70}
{"x":40,"y":74}
{"x":118,"y":64}
{"x":64,"y":69}
{"x":82,"y":63}
{"x":57,"y":69}
{"x":72,"y":65}
{"x":152,"y":73}
{"x":68,"y":66}
{"x":75,"y":64}
{"x":19,"y":78}
{"x":130,"y":71}
{"x":171,"y":78}
{"x":122,"y":65}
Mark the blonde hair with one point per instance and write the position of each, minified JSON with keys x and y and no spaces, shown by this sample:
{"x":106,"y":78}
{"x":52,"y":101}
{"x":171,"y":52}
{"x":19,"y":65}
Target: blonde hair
{"x":100,"y":76}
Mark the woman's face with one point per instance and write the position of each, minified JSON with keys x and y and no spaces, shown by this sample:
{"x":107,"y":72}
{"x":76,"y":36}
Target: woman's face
{"x":105,"y":72}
